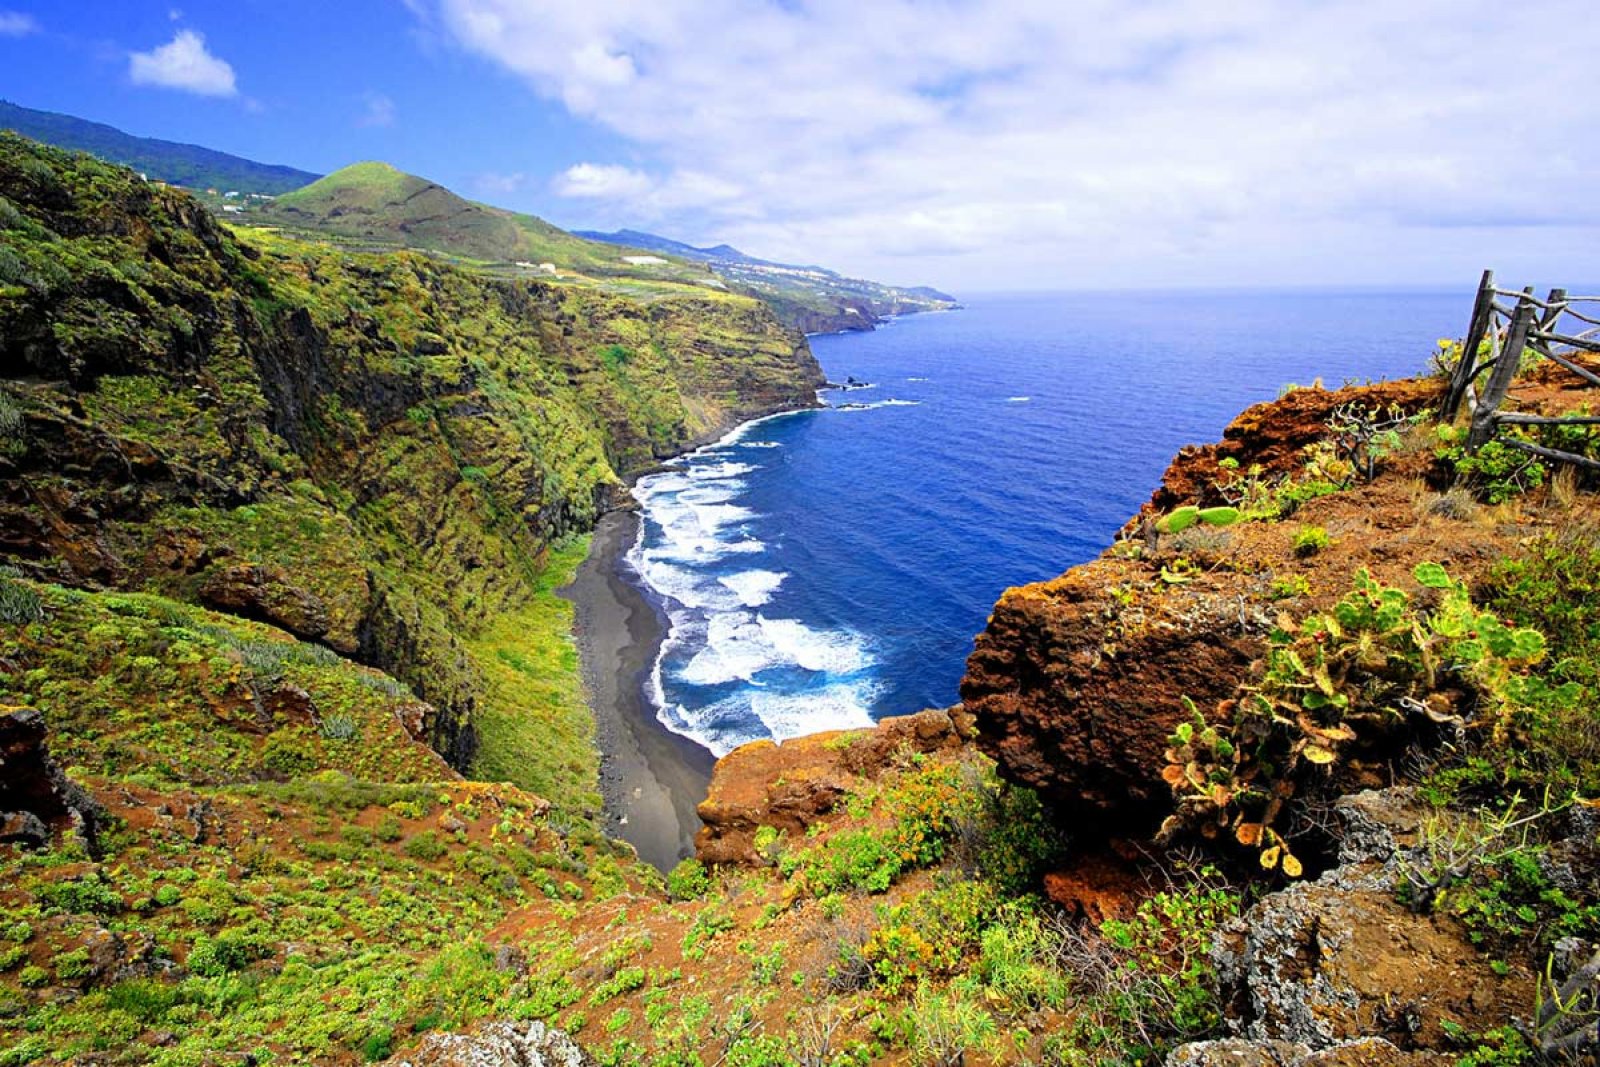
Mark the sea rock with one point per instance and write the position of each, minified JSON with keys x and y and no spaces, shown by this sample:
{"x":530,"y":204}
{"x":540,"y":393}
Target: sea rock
{"x":792,"y":785}
{"x":498,"y":1044}
{"x":36,"y":799}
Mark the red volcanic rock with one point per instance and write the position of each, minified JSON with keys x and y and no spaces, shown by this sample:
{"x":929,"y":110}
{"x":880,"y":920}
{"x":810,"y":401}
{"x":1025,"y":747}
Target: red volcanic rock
{"x":1075,"y":693}
{"x":1077,"y":683}
{"x":792,"y":785}
{"x":1097,"y":888}
{"x":1274,"y":435}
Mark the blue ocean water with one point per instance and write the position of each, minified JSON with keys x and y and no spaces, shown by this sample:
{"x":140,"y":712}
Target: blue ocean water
{"x":828,"y":568}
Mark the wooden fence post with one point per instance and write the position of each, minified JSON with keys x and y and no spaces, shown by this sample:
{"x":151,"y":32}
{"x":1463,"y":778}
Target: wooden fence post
{"x":1556,"y":304}
{"x":1483,"y":420}
{"x":1482,"y":321}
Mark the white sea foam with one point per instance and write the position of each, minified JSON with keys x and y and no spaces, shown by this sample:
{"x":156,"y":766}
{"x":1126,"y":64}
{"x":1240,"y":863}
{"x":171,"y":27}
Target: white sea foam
{"x":825,"y":651}
{"x":842,"y":706}
{"x":916,"y":379}
{"x":714,"y":471}
{"x":734,"y":650}
{"x":754,"y":588}
{"x":715,"y":637}
{"x":685,"y":586}
{"x":1018,"y":399}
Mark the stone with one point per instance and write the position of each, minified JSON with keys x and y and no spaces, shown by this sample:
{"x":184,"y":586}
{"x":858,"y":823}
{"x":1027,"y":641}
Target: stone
{"x":266,"y":594}
{"x":498,"y":1044}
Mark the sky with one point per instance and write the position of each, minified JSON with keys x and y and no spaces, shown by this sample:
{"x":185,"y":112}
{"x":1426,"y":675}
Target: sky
{"x":1009,"y":144}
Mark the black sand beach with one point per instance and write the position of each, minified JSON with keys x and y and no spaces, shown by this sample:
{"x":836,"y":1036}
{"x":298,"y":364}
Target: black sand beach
{"x":650,"y":777}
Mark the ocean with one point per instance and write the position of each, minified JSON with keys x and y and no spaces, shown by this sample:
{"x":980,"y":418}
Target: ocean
{"x":827,"y":568}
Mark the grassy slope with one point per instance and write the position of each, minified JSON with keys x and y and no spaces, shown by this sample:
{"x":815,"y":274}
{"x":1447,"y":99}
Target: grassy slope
{"x":318,"y":878}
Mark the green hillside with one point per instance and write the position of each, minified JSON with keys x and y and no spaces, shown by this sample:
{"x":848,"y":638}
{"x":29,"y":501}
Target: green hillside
{"x":188,"y":165}
{"x":376,"y":203}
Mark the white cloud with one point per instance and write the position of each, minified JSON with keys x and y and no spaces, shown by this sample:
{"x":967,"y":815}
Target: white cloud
{"x":493,"y":183}
{"x":1093,"y":141}
{"x":17,"y":24}
{"x":183,"y":63}
{"x":378,"y":111}
{"x":602,"y":181}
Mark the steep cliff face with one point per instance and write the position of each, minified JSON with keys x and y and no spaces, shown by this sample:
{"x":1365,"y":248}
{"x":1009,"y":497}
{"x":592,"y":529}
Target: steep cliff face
{"x":373,"y":453}
{"x":1078,"y":683}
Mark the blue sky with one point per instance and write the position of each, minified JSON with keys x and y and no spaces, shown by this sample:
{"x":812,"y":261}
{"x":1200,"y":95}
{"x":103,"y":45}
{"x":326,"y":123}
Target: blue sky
{"x":972,"y":145}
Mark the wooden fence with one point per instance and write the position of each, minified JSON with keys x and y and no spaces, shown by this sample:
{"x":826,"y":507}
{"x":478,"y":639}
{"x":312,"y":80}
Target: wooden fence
{"x":1520,"y":324}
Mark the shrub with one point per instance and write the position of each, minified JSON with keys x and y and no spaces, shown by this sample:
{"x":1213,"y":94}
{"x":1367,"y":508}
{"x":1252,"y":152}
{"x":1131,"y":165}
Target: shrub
{"x":1020,"y":960}
{"x":689,"y":880}
{"x":33,"y":976}
{"x":947,"y":1024}
{"x":230,"y":950}
{"x":19,"y":603}
{"x":72,"y":964}
{"x":340,"y":727}
{"x":929,"y":935}
{"x":82,"y":895}
{"x":425,"y":846}
{"x":1496,"y":470}
{"x":1155,"y":981}
{"x":1310,"y":540}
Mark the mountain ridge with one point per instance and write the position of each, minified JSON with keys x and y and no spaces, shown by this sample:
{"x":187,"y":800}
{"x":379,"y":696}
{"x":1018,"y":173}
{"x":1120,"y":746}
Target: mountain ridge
{"x":175,"y":162}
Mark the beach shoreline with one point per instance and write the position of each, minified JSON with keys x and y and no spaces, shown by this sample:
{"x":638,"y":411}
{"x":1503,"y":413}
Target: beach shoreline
{"x":651,"y":779}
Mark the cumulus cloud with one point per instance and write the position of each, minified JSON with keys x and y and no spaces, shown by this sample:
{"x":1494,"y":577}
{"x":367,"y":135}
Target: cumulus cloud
{"x":17,"y":24}
{"x":1101,"y":141}
{"x":602,"y":181}
{"x":183,"y":63}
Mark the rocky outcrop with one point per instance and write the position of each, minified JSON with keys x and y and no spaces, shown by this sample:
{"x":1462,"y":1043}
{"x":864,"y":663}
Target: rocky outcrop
{"x":1075,"y":693}
{"x":1312,"y":971}
{"x":37,"y":801}
{"x":790,"y":786}
{"x":266,"y":594}
{"x":1362,"y":1052}
{"x":498,"y":1044}
{"x":1272,"y":436}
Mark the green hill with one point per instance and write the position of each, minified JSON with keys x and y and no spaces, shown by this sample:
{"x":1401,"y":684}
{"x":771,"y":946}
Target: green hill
{"x":178,"y":164}
{"x":376,"y":203}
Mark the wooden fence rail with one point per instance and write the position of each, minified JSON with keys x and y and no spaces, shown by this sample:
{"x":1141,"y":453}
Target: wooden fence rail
{"x":1523,"y":324}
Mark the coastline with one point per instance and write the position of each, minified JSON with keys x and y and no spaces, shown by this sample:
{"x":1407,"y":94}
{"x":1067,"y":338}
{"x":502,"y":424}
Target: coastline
{"x":651,"y":778}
